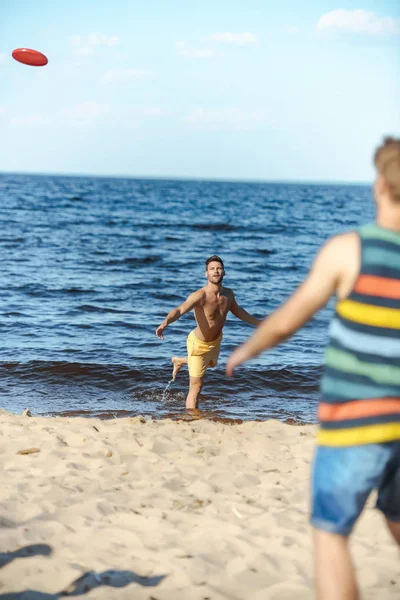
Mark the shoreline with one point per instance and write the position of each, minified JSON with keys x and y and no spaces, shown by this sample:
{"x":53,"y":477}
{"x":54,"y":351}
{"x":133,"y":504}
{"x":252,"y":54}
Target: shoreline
{"x":184,"y":416}
{"x":167,"y":509}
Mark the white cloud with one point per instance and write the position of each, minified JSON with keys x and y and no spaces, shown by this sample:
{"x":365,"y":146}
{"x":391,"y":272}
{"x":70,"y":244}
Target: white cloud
{"x":225,"y":117}
{"x":86,"y":112}
{"x":119,"y":75}
{"x":3,"y":58}
{"x":153,"y":112}
{"x":77,"y":40}
{"x":236,"y":39}
{"x":137,"y":116}
{"x":258,"y":116}
{"x":146,"y":112}
{"x":29,"y":120}
{"x":184,"y":50}
{"x":85,"y":44}
{"x":357,"y":21}
{"x":95,"y":39}
{"x":84,"y":51}
{"x":226,"y":38}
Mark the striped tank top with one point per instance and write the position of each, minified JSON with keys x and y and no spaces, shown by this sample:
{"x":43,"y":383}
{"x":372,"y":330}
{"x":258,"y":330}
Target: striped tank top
{"x":360,"y":387}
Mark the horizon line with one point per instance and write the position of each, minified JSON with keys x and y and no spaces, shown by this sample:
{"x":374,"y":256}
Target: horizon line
{"x":192,"y":178}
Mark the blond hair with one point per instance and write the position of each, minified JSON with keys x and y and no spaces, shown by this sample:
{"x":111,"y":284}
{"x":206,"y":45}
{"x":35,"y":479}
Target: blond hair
{"x":387,"y":163}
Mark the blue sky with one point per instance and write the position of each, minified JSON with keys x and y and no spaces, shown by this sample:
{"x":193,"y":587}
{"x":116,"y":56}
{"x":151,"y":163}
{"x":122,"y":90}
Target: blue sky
{"x":253,"y":90}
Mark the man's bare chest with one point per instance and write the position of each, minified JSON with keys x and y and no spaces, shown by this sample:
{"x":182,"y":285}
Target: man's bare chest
{"x":218,"y":307}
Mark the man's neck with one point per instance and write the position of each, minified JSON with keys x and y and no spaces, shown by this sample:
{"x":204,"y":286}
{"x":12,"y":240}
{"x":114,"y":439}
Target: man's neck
{"x":388,"y":217}
{"x":214,"y":287}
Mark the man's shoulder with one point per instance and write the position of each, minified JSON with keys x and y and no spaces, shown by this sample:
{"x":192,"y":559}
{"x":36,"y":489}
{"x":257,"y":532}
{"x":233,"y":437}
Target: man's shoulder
{"x":200,"y":293}
{"x":346,"y":237}
{"x":343,"y":242}
{"x":228,"y":292}
{"x":341,"y":253}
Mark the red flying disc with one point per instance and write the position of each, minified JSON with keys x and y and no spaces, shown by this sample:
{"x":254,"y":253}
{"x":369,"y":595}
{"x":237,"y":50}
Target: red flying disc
{"x":30,"y":57}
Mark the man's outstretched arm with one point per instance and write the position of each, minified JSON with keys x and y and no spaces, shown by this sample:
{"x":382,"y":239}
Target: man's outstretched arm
{"x":242,"y":314}
{"x":177,"y":312}
{"x":312,"y":295}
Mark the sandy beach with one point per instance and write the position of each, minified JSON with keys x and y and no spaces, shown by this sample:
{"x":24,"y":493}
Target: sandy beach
{"x":166,"y":510}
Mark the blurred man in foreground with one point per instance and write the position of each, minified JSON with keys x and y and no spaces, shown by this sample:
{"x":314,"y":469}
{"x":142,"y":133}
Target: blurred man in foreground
{"x":359,"y":438}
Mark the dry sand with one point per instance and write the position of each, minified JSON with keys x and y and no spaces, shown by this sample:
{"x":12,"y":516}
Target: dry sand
{"x":130,"y":509}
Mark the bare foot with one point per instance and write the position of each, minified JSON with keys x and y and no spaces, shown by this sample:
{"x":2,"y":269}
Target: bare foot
{"x":177,"y":365}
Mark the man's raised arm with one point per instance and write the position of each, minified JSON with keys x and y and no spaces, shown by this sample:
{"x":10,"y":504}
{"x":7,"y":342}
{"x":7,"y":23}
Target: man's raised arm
{"x":176,"y":313}
{"x":312,"y":295}
{"x":242,"y":314}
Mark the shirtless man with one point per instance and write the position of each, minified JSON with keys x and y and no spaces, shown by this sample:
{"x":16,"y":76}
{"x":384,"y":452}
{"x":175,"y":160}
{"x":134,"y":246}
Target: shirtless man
{"x":358,"y":444}
{"x":211,"y":305}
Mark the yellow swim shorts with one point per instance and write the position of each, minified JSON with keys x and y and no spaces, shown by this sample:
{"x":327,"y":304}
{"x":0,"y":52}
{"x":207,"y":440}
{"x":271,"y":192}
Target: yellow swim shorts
{"x":201,"y":355}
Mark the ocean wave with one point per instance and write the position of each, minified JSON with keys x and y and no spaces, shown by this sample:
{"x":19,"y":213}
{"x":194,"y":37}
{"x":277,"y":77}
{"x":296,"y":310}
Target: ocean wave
{"x":278,"y":379}
{"x":89,"y":308}
{"x":135,"y":261}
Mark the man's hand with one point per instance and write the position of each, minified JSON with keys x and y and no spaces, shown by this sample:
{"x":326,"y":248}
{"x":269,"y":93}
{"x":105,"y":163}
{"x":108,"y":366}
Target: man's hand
{"x":160,"y":330}
{"x":238,"y":357}
{"x":176,"y":313}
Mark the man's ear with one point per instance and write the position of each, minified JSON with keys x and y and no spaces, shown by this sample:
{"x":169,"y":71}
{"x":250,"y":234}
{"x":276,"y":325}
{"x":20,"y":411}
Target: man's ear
{"x":383,"y":186}
{"x":380,"y":184}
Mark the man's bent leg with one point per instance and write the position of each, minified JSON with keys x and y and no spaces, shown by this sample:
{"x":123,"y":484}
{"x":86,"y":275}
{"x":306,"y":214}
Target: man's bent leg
{"x":178,"y":362}
{"x":192,"y":399}
{"x":334,"y":572}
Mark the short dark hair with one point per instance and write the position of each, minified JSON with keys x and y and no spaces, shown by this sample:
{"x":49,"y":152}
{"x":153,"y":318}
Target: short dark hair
{"x":214,"y":258}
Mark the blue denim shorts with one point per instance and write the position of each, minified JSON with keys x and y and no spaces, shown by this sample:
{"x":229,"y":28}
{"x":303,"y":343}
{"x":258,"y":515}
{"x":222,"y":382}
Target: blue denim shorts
{"x":343,"y":478}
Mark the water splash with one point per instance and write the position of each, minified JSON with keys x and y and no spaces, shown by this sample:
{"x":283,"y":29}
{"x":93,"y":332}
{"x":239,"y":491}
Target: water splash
{"x":164,"y":394}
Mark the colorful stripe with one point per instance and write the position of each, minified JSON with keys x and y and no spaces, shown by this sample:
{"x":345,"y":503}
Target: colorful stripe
{"x":370,"y":434}
{"x":361,"y":383}
{"x":349,"y":363}
{"x":371,"y":285}
{"x":369,"y":315}
{"x":381,"y":256}
{"x":336,"y":387}
{"x":382,"y":332}
{"x":361,"y":422}
{"x":358,"y":409}
{"x":364,"y":342}
{"x":375,"y":232}
{"x":381,"y":271}
{"x":374,"y":300}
